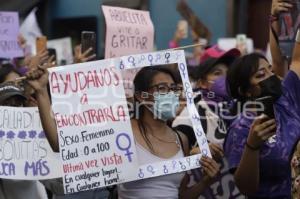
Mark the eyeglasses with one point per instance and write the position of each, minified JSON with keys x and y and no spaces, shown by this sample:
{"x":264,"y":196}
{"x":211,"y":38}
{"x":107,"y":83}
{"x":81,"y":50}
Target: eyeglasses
{"x":164,"y":88}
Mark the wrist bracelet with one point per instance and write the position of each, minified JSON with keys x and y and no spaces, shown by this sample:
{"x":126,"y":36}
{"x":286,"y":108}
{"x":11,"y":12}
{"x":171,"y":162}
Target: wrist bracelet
{"x":252,"y":148}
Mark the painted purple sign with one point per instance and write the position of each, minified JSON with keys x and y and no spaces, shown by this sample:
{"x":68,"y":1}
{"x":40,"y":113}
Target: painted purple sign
{"x":222,"y":187}
{"x":9,"y":30}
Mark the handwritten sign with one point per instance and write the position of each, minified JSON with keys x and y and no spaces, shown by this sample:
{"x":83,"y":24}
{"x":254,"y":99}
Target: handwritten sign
{"x":95,"y":136}
{"x":289,"y":24}
{"x":63,"y":47}
{"x":128,"y":31}
{"x":161,"y":58}
{"x":9,"y":30}
{"x":24,"y":150}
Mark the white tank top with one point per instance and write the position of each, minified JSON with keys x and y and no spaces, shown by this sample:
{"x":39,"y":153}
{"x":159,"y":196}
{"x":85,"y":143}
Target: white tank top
{"x":165,"y":187}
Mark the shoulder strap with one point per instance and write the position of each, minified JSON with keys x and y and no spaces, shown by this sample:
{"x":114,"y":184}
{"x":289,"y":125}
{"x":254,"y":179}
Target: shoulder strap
{"x":186,"y":153}
{"x":188,"y":131}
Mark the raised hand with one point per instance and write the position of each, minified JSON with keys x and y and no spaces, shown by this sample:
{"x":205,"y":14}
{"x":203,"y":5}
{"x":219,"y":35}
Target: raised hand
{"x":279,"y":6}
{"x":38,"y":77}
{"x":39,"y":59}
{"x":22,"y":41}
{"x":83,"y":57}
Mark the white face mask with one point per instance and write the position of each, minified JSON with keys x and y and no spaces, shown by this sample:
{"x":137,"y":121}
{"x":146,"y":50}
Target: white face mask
{"x":165,"y":106}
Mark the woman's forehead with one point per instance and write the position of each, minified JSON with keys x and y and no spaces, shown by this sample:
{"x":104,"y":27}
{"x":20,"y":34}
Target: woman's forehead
{"x":220,"y":66}
{"x":162,"y":78}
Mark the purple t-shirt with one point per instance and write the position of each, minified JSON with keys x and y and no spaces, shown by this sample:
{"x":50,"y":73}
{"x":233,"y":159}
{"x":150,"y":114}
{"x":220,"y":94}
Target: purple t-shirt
{"x":275,"y":171}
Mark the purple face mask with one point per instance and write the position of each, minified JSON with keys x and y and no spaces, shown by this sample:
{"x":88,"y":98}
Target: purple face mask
{"x":218,"y":91}
{"x":20,"y":69}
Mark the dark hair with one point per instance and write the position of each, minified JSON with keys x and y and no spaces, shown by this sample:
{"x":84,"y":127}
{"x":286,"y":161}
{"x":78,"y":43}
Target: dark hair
{"x":142,"y":82}
{"x":240,"y":73}
{"x":5,"y":69}
{"x":145,"y":76}
{"x":205,"y":68}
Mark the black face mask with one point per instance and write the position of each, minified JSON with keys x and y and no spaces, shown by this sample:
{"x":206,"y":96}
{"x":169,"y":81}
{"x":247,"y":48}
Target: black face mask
{"x":271,"y":87}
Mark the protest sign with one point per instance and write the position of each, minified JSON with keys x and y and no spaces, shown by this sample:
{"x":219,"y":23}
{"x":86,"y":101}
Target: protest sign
{"x":9,"y":30}
{"x":95,"y":136}
{"x":289,"y":24}
{"x":128,"y":31}
{"x":24,"y":150}
{"x":63,"y":47}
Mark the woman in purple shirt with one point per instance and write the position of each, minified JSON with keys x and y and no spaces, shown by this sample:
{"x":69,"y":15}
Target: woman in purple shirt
{"x":258,"y":147}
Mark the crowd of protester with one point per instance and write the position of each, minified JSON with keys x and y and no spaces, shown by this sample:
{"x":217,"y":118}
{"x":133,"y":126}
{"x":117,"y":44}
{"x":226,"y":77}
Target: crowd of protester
{"x":257,"y":149}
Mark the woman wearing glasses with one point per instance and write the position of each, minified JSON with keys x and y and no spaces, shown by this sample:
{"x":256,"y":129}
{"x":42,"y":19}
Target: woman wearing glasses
{"x":157,"y":91}
{"x":157,"y":97}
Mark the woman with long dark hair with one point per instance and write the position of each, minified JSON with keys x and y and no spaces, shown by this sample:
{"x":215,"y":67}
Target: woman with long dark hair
{"x":258,"y":146}
{"x":157,"y":91}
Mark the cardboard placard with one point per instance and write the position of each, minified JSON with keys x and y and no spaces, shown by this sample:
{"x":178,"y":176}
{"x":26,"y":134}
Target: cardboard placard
{"x":9,"y":30}
{"x":128,"y":31}
{"x":24,"y":150}
{"x":95,"y":135}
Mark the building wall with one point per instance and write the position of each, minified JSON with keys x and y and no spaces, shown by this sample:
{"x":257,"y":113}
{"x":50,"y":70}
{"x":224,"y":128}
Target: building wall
{"x":163,"y":14}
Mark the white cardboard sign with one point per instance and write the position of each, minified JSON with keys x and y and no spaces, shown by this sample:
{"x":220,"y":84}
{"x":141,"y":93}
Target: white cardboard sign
{"x":128,"y":31}
{"x":95,"y":135}
{"x":25,"y":153}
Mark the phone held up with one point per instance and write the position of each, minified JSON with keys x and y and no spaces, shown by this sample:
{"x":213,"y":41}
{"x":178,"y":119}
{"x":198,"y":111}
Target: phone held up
{"x":52,"y":52}
{"x":41,"y":44}
{"x":88,"y":40}
{"x":266,"y":106}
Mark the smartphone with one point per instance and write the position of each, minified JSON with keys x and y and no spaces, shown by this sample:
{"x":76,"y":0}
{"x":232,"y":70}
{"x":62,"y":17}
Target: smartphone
{"x":51,"y":52}
{"x":41,"y":44}
{"x":88,"y":40}
{"x":266,"y":106}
